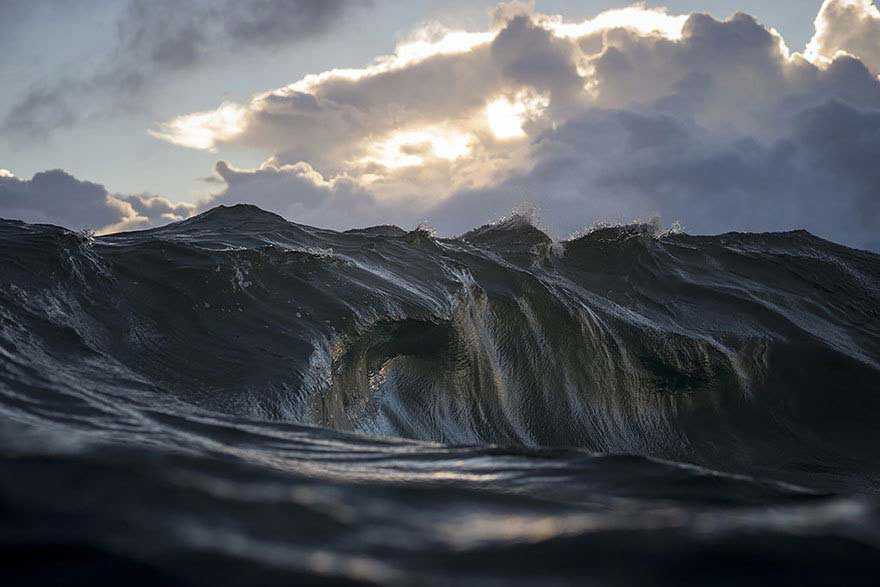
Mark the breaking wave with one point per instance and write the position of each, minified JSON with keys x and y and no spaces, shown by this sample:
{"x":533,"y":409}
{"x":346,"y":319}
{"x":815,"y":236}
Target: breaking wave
{"x":243,"y":347}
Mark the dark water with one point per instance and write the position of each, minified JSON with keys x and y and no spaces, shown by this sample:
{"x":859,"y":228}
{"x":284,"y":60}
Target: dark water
{"x":236,"y":399}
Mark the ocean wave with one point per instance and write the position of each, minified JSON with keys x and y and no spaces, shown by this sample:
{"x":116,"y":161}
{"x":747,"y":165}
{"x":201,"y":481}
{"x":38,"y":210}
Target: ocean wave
{"x":370,"y":355}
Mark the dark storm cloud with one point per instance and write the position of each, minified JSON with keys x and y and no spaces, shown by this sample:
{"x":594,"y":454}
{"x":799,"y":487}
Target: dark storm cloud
{"x":56,"y":197}
{"x":621,"y":165}
{"x":531,"y":55}
{"x":843,"y":142}
{"x":157,"y":38}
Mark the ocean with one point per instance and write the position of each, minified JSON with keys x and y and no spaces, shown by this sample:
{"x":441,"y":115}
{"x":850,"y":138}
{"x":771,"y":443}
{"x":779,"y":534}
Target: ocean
{"x":239,"y":399}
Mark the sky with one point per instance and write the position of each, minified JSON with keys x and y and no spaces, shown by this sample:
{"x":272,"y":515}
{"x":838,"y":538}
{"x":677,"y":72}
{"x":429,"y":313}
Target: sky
{"x":720,"y":115}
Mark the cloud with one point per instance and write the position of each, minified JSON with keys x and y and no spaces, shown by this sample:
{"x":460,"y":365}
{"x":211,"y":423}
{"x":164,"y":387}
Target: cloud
{"x":162,"y":38}
{"x":15,"y":11}
{"x":275,"y":22}
{"x":155,"y":210}
{"x":171,"y":35}
{"x":56,"y":197}
{"x":629,"y":114}
{"x":849,"y":26}
{"x":633,"y":113}
{"x":42,"y":110}
{"x":299,"y":192}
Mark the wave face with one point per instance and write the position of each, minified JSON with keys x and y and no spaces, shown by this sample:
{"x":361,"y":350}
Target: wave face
{"x":235,"y":367}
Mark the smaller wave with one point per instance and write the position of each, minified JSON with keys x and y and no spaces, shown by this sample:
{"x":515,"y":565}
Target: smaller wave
{"x":653,"y":227}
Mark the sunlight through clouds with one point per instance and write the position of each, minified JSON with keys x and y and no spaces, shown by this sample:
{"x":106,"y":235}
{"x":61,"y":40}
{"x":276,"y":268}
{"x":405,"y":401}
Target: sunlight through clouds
{"x":632,"y":112}
{"x":203,"y":130}
{"x":846,"y":27}
{"x":425,"y":43}
{"x":408,"y":148}
{"x":506,"y":117}
{"x":636,"y":18}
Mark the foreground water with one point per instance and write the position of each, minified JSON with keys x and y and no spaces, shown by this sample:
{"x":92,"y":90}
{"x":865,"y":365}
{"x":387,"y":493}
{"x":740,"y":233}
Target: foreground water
{"x":239,"y":399}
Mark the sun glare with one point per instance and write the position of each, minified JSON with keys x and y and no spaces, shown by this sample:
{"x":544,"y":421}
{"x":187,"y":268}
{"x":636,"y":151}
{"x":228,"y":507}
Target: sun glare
{"x":506,"y":117}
